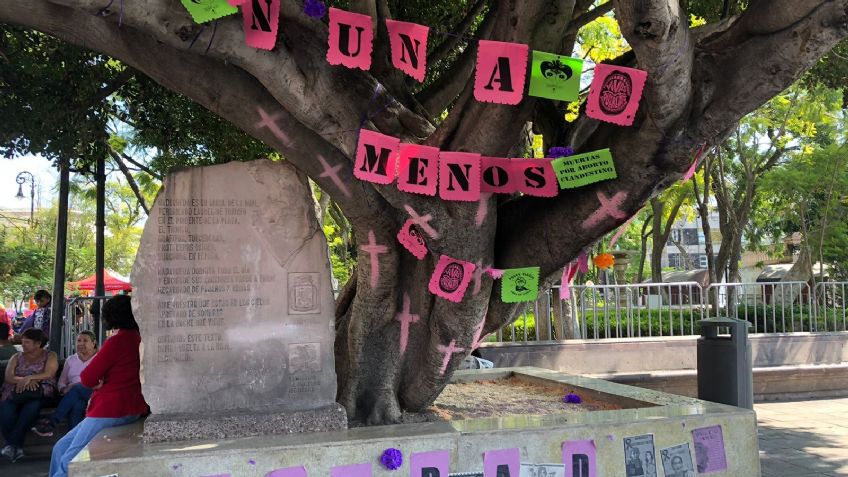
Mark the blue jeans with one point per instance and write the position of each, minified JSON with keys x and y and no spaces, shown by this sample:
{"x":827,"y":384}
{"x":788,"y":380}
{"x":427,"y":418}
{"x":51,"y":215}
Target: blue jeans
{"x":67,"y":448}
{"x":16,"y":419}
{"x":72,"y":406}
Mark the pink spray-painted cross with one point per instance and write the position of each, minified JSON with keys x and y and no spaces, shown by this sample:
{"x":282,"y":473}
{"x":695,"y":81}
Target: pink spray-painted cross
{"x":405,"y":318}
{"x":609,"y":208}
{"x":333,"y":174}
{"x":270,"y":122}
{"x":478,"y":334}
{"x":373,"y":249}
{"x":482,"y":209}
{"x":477,"y":276}
{"x":448,"y":351}
{"x":422,"y":221}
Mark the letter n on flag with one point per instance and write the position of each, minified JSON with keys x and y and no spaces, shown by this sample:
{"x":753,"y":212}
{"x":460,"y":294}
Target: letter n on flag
{"x":351,"y":39}
{"x":409,"y":47}
{"x":261,"y":19}
{"x":501,"y":71}
{"x":376,"y":157}
{"x":459,"y":176}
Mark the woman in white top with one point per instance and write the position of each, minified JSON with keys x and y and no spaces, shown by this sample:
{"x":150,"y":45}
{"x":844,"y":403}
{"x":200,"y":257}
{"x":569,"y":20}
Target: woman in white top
{"x":74,"y":395}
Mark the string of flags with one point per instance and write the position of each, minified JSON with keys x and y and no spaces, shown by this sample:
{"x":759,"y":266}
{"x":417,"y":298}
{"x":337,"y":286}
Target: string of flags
{"x":501,"y":70}
{"x":466,"y":176}
{"x":500,"y":77}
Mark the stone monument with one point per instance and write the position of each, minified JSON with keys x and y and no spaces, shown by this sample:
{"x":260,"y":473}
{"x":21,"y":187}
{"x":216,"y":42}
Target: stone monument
{"x":234,"y":300}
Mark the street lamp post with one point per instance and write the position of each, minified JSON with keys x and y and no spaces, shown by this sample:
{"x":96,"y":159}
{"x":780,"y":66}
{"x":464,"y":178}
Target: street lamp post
{"x":21,"y":179}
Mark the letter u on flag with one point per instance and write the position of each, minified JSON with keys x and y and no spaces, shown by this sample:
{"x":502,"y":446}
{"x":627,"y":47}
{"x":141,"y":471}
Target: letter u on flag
{"x":351,"y":39}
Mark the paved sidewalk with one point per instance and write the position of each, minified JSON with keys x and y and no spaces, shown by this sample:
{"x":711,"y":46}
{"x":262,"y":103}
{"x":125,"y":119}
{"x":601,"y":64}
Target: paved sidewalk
{"x":804,"y":438}
{"x":797,"y":439}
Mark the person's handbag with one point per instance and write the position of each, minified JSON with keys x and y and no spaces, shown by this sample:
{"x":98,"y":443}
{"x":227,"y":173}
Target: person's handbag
{"x":27,"y":395}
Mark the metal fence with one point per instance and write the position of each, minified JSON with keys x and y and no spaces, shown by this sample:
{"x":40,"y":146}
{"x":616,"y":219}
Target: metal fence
{"x":674,"y":309}
{"x":81,"y":314}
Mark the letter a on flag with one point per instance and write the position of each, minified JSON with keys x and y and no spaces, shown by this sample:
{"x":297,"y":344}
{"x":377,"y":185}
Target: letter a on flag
{"x":261,"y":19}
{"x":409,"y":47}
{"x":351,"y":39}
{"x":501,"y":71}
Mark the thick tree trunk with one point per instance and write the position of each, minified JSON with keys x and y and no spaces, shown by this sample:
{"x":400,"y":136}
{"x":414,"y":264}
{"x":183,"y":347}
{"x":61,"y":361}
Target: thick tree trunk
{"x":700,"y":83}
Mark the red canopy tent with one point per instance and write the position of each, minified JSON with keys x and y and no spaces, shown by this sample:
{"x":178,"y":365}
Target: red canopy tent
{"x":110,"y":283}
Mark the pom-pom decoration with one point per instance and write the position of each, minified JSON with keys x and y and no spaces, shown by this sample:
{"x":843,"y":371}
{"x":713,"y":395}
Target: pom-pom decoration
{"x":392,"y":458}
{"x":603,"y":261}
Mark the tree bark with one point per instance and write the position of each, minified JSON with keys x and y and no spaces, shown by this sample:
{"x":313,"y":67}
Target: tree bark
{"x":700,"y":83}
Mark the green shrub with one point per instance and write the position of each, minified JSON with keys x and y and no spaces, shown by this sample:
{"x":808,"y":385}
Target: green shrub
{"x":680,"y":321}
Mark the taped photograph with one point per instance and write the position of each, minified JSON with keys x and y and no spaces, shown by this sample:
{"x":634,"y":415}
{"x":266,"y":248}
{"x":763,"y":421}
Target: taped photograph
{"x":640,"y":458}
{"x":677,"y":461}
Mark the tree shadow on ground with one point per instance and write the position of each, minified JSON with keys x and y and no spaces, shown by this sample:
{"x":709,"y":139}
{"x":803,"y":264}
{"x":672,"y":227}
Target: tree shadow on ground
{"x":817,"y":450}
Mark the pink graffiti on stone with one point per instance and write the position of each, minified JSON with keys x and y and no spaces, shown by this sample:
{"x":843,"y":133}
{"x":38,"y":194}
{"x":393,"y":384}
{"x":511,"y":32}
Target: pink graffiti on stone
{"x":482,"y":209}
{"x":373,"y":249}
{"x":405,"y":318}
{"x":422,"y":221}
{"x":610,"y":207}
{"x":448,"y":351}
{"x":333,"y":174}
{"x":270,"y":122}
{"x":477,"y":277}
{"x":478,"y":334}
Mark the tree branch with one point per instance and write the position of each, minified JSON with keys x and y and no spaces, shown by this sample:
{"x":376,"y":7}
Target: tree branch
{"x":442,"y":92}
{"x":130,"y":179}
{"x":588,"y":17}
{"x":457,"y":33}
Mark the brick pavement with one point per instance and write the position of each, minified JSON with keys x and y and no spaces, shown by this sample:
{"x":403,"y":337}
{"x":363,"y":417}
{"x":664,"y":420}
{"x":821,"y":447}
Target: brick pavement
{"x":804,"y":438}
{"x":797,"y":439}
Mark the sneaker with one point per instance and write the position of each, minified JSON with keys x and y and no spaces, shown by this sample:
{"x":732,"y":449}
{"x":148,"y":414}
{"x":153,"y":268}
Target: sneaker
{"x":44,"y":428}
{"x":8,"y":452}
{"x":19,"y":453}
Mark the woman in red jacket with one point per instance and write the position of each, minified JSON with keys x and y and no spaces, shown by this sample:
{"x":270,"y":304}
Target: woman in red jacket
{"x":114,"y":375}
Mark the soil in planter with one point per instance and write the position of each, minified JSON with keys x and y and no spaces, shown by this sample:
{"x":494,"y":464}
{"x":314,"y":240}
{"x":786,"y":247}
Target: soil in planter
{"x":503,"y":397}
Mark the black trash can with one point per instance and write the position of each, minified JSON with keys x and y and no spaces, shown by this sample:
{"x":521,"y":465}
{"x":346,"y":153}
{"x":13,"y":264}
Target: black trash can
{"x":725,"y":370}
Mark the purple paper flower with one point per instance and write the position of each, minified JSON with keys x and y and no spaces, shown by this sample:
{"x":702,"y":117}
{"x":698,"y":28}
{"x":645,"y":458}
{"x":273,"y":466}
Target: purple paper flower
{"x":558,"y":151}
{"x":572,"y":398}
{"x":314,"y":8}
{"x":392,"y":458}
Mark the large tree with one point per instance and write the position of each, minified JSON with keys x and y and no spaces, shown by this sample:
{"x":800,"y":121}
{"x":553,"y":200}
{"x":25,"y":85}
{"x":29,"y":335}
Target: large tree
{"x":700,"y":83}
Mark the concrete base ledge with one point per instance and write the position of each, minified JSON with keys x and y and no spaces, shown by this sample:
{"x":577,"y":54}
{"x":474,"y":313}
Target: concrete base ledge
{"x":772,"y":383}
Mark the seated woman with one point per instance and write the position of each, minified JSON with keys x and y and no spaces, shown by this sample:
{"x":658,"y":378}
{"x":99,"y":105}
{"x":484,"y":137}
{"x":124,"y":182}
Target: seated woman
{"x":74,"y":395}
{"x":30,"y":378}
{"x":113,"y":373}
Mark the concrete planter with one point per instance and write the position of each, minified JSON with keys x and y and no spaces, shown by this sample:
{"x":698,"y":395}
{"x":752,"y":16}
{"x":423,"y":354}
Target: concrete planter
{"x":538,"y":439}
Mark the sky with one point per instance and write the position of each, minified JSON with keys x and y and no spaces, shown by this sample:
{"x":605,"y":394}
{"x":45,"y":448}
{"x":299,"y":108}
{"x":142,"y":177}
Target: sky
{"x":46,"y":182}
